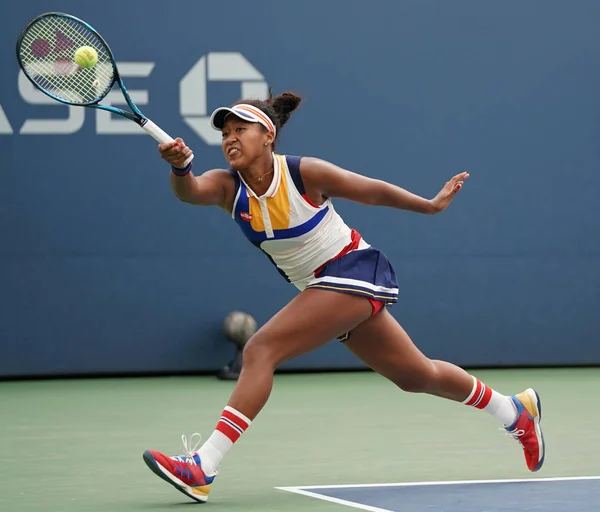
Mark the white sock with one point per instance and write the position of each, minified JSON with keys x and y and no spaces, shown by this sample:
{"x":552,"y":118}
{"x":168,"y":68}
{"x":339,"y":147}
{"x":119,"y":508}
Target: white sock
{"x":228,"y":430}
{"x":499,"y":406}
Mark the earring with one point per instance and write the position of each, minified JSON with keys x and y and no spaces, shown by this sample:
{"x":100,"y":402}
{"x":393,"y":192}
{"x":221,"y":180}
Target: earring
{"x":266,"y":143}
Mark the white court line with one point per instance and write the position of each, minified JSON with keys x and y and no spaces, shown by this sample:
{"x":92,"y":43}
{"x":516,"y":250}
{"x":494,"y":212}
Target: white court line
{"x":303,"y":489}
{"x":445,"y":482}
{"x":298,"y":490}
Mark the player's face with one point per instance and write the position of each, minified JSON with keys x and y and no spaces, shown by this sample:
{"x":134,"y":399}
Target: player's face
{"x":243,"y":142}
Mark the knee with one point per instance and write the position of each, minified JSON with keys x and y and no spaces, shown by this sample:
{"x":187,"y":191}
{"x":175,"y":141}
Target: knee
{"x":257,"y":353}
{"x":417,"y":380}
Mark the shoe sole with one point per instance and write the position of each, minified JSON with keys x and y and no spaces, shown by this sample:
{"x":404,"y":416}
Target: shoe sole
{"x":161,"y":472}
{"x":538,"y":429}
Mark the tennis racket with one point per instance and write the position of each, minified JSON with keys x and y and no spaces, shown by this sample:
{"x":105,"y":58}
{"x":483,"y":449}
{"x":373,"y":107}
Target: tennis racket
{"x":46,"y":53}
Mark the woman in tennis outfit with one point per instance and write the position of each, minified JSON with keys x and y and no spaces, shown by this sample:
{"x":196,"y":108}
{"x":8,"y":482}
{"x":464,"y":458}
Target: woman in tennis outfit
{"x":283,"y":205}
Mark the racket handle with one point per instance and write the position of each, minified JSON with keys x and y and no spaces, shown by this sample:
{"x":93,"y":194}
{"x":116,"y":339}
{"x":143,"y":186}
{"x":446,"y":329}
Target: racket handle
{"x":160,"y":135}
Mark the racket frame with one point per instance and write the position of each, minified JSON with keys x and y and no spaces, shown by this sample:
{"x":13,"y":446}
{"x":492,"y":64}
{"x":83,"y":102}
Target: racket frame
{"x":135,"y":115}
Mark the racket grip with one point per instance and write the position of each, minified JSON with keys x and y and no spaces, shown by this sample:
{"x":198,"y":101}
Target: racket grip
{"x":160,"y":135}
{"x":156,"y":132}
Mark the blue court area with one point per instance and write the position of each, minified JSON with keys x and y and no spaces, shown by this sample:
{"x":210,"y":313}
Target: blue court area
{"x":540,"y":495}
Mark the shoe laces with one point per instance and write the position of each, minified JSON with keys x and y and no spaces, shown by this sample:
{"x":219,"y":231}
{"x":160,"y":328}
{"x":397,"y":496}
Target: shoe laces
{"x":189,"y":448}
{"x":515,"y":434}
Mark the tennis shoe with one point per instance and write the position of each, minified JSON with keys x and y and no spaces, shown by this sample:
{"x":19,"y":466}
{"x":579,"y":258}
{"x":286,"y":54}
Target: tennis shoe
{"x":526,"y":428}
{"x":184,"y":472}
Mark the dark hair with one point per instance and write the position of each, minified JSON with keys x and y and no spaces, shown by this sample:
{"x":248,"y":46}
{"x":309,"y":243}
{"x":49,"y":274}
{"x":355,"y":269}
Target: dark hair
{"x":278,"y":108}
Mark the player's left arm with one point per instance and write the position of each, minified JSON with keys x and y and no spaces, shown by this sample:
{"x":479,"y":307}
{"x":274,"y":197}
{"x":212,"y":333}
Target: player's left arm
{"x":329,"y":180}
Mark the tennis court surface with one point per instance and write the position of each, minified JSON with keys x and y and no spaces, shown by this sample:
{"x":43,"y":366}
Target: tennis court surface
{"x":325,"y":442}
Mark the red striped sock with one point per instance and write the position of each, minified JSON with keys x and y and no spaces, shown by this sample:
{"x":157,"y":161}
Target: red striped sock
{"x":232,"y":424}
{"x":498,"y":405}
{"x":480,"y":396}
{"x":230,"y":427}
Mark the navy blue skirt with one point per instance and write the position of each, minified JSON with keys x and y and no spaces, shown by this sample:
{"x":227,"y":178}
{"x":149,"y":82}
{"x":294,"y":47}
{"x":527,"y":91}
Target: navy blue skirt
{"x":365,"y":272}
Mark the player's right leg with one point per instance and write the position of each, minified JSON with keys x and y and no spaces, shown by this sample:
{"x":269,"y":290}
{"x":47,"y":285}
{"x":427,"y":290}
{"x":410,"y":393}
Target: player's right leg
{"x":309,"y":321}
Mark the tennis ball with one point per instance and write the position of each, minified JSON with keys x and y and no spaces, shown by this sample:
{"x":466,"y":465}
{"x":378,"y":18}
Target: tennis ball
{"x":86,"y":57}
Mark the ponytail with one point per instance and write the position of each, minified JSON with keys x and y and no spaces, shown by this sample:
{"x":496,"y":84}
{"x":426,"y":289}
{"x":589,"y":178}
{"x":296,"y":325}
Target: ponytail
{"x":283,"y":105}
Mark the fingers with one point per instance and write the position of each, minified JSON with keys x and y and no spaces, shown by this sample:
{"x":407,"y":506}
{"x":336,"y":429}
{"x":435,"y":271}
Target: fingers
{"x":176,"y":152}
{"x":460,"y":177}
{"x":170,"y":148}
{"x":456,"y":182}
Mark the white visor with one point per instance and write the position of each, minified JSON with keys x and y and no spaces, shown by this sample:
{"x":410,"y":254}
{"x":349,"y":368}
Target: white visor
{"x":245,"y":112}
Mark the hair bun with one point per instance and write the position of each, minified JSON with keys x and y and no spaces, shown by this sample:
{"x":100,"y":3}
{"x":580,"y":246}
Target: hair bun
{"x":284,"y":104}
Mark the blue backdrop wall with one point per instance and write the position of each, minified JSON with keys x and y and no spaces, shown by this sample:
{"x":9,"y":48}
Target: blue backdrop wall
{"x":102,"y":270}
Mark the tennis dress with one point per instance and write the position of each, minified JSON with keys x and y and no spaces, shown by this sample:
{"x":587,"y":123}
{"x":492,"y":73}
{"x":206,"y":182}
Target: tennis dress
{"x":311,"y":246}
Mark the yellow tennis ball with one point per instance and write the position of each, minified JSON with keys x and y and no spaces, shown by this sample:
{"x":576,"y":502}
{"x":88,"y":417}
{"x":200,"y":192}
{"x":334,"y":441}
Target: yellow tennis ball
{"x":86,"y":57}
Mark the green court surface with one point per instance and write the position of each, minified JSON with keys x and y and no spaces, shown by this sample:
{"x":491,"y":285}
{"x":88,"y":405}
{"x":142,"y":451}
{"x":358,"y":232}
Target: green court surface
{"x":76,"y":445}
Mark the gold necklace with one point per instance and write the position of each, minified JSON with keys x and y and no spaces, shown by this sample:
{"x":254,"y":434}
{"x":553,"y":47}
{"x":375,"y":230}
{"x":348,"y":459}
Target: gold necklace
{"x":259,"y":180}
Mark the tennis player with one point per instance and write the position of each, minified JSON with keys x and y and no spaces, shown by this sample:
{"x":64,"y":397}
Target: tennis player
{"x":283,"y":205}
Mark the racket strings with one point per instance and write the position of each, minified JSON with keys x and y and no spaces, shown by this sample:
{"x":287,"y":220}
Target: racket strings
{"x":47,"y":52}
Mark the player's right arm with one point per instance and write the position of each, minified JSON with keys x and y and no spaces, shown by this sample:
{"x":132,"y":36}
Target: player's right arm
{"x":213,"y":188}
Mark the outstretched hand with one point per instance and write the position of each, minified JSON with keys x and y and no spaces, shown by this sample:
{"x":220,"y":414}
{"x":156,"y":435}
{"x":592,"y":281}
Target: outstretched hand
{"x":176,"y":152}
{"x":444,"y":197}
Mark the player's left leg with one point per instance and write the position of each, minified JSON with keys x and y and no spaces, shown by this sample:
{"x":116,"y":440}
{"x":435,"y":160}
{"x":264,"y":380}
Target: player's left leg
{"x":384,"y":345}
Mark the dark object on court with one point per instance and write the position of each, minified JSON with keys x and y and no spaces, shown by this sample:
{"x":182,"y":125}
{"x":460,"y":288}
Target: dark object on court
{"x":238,"y":327}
